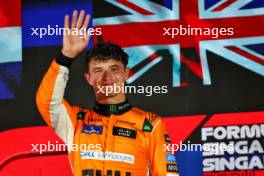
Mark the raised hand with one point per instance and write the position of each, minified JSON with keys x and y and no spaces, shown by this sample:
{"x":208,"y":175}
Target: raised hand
{"x":74,"y":40}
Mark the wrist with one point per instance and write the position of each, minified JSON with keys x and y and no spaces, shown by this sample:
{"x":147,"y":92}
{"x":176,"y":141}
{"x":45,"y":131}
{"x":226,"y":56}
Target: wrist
{"x":68,"y":53}
{"x":64,"y":60}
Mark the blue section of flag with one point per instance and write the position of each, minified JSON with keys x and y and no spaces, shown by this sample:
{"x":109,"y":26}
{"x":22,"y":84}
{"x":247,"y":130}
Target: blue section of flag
{"x":210,"y":3}
{"x":168,"y":3}
{"x":259,"y":48}
{"x":254,"y":4}
{"x":44,"y":14}
{"x":92,"y":129}
{"x":10,"y":79}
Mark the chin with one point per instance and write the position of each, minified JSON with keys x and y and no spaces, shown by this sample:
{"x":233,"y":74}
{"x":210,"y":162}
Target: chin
{"x":110,"y":95}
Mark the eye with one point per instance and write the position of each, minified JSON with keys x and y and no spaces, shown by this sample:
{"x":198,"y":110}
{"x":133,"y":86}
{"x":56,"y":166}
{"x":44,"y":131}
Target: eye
{"x":97,"y":70}
{"x":115,"y":69}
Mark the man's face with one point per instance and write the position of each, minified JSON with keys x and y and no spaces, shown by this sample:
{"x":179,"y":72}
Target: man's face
{"x":103,"y":76}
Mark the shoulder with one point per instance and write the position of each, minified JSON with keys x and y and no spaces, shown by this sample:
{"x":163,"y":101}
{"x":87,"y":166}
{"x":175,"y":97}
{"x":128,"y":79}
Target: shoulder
{"x":80,"y":112}
{"x":150,"y":116}
{"x":148,"y":119}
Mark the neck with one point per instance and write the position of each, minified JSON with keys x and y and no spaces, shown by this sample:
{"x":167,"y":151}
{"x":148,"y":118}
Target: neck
{"x":107,"y":109}
{"x":119,"y":98}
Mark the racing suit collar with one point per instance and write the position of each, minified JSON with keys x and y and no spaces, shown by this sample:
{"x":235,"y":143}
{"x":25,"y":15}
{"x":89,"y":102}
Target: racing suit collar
{"x":108,"y":109}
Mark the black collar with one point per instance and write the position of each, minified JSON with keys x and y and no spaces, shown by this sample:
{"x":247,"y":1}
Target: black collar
{"x":108,"y":109}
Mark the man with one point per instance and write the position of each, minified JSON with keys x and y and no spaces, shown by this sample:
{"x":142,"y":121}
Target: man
{"x":131,"y":140}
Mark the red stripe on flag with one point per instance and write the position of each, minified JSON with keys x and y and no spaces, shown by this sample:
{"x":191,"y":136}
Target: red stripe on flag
{"x":151,"y":33}
{"x":224,"y":5}
{"x":153,"y":56}
{"x":134,"y":7}
{"x":246,"y":54}
{"x":10,"y":13}
{"x":184,"y":84}
{"x":193,"y":66}
{"x":131,"y":73}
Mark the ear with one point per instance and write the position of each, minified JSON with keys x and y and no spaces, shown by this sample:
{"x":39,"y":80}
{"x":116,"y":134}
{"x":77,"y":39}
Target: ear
{"x":87,"y":78}
{"x":127,"y":72}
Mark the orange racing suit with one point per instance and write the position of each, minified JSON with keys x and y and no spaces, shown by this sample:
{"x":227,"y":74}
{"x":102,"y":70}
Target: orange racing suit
{"x":131,"y":140}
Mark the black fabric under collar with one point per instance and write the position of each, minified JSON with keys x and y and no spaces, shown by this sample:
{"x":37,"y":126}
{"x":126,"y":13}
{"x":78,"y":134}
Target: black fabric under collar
{"x":108,"y":109}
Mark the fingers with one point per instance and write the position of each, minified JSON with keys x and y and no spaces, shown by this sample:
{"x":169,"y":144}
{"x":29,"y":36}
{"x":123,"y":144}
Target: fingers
{"x":86,"y":39}
{"x":66,"y":21}
{"x":85,"y":25}
{"x":74,"y":18}
{"x":80,"y":19}
{"x":86,"y":21}
{"x":79,"y":22}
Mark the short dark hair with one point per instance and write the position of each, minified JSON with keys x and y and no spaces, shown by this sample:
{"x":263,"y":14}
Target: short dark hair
{"x":105,"y":51}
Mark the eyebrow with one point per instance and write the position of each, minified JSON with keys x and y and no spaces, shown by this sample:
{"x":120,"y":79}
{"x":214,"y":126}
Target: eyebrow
{"x":115,"y":66}
{"x":111,"y":66}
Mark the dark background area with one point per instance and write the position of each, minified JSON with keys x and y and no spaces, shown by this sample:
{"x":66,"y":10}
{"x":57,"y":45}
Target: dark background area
{"x":233,"y":89}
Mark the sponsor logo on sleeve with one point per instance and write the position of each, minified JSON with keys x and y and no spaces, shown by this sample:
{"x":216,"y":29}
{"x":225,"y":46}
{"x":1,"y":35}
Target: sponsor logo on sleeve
{"x":81,"y":115}
{"x":170,"y":157}
{"x":147,"y":126}
{"x":167,"y":138}
{"x":172,"y":168}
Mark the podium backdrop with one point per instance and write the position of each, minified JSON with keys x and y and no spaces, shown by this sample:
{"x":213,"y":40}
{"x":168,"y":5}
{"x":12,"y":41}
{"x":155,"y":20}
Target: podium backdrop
{"x":215,"y":85}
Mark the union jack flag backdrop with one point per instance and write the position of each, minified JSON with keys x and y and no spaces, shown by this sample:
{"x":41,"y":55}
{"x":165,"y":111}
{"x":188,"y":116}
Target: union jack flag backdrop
{"x":139,"y":28}
{"x":10,"y":48}
{"x":215,"y":84}
{"x":207,"y":76}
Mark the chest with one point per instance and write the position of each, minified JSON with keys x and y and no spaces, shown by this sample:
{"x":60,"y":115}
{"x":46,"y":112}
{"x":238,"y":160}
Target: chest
{"x":114,"y":134}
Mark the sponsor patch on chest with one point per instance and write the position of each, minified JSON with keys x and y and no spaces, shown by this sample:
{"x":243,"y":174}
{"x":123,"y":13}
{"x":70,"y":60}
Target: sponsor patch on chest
{"x":92,"y":129}
{"x":130,"y":133}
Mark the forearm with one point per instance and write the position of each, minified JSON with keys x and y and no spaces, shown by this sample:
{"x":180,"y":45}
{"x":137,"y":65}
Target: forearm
{"x":51,"y":90}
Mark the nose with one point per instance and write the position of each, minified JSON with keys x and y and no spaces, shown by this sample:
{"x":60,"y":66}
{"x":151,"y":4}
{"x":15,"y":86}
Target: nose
{"x":106,"y":76}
